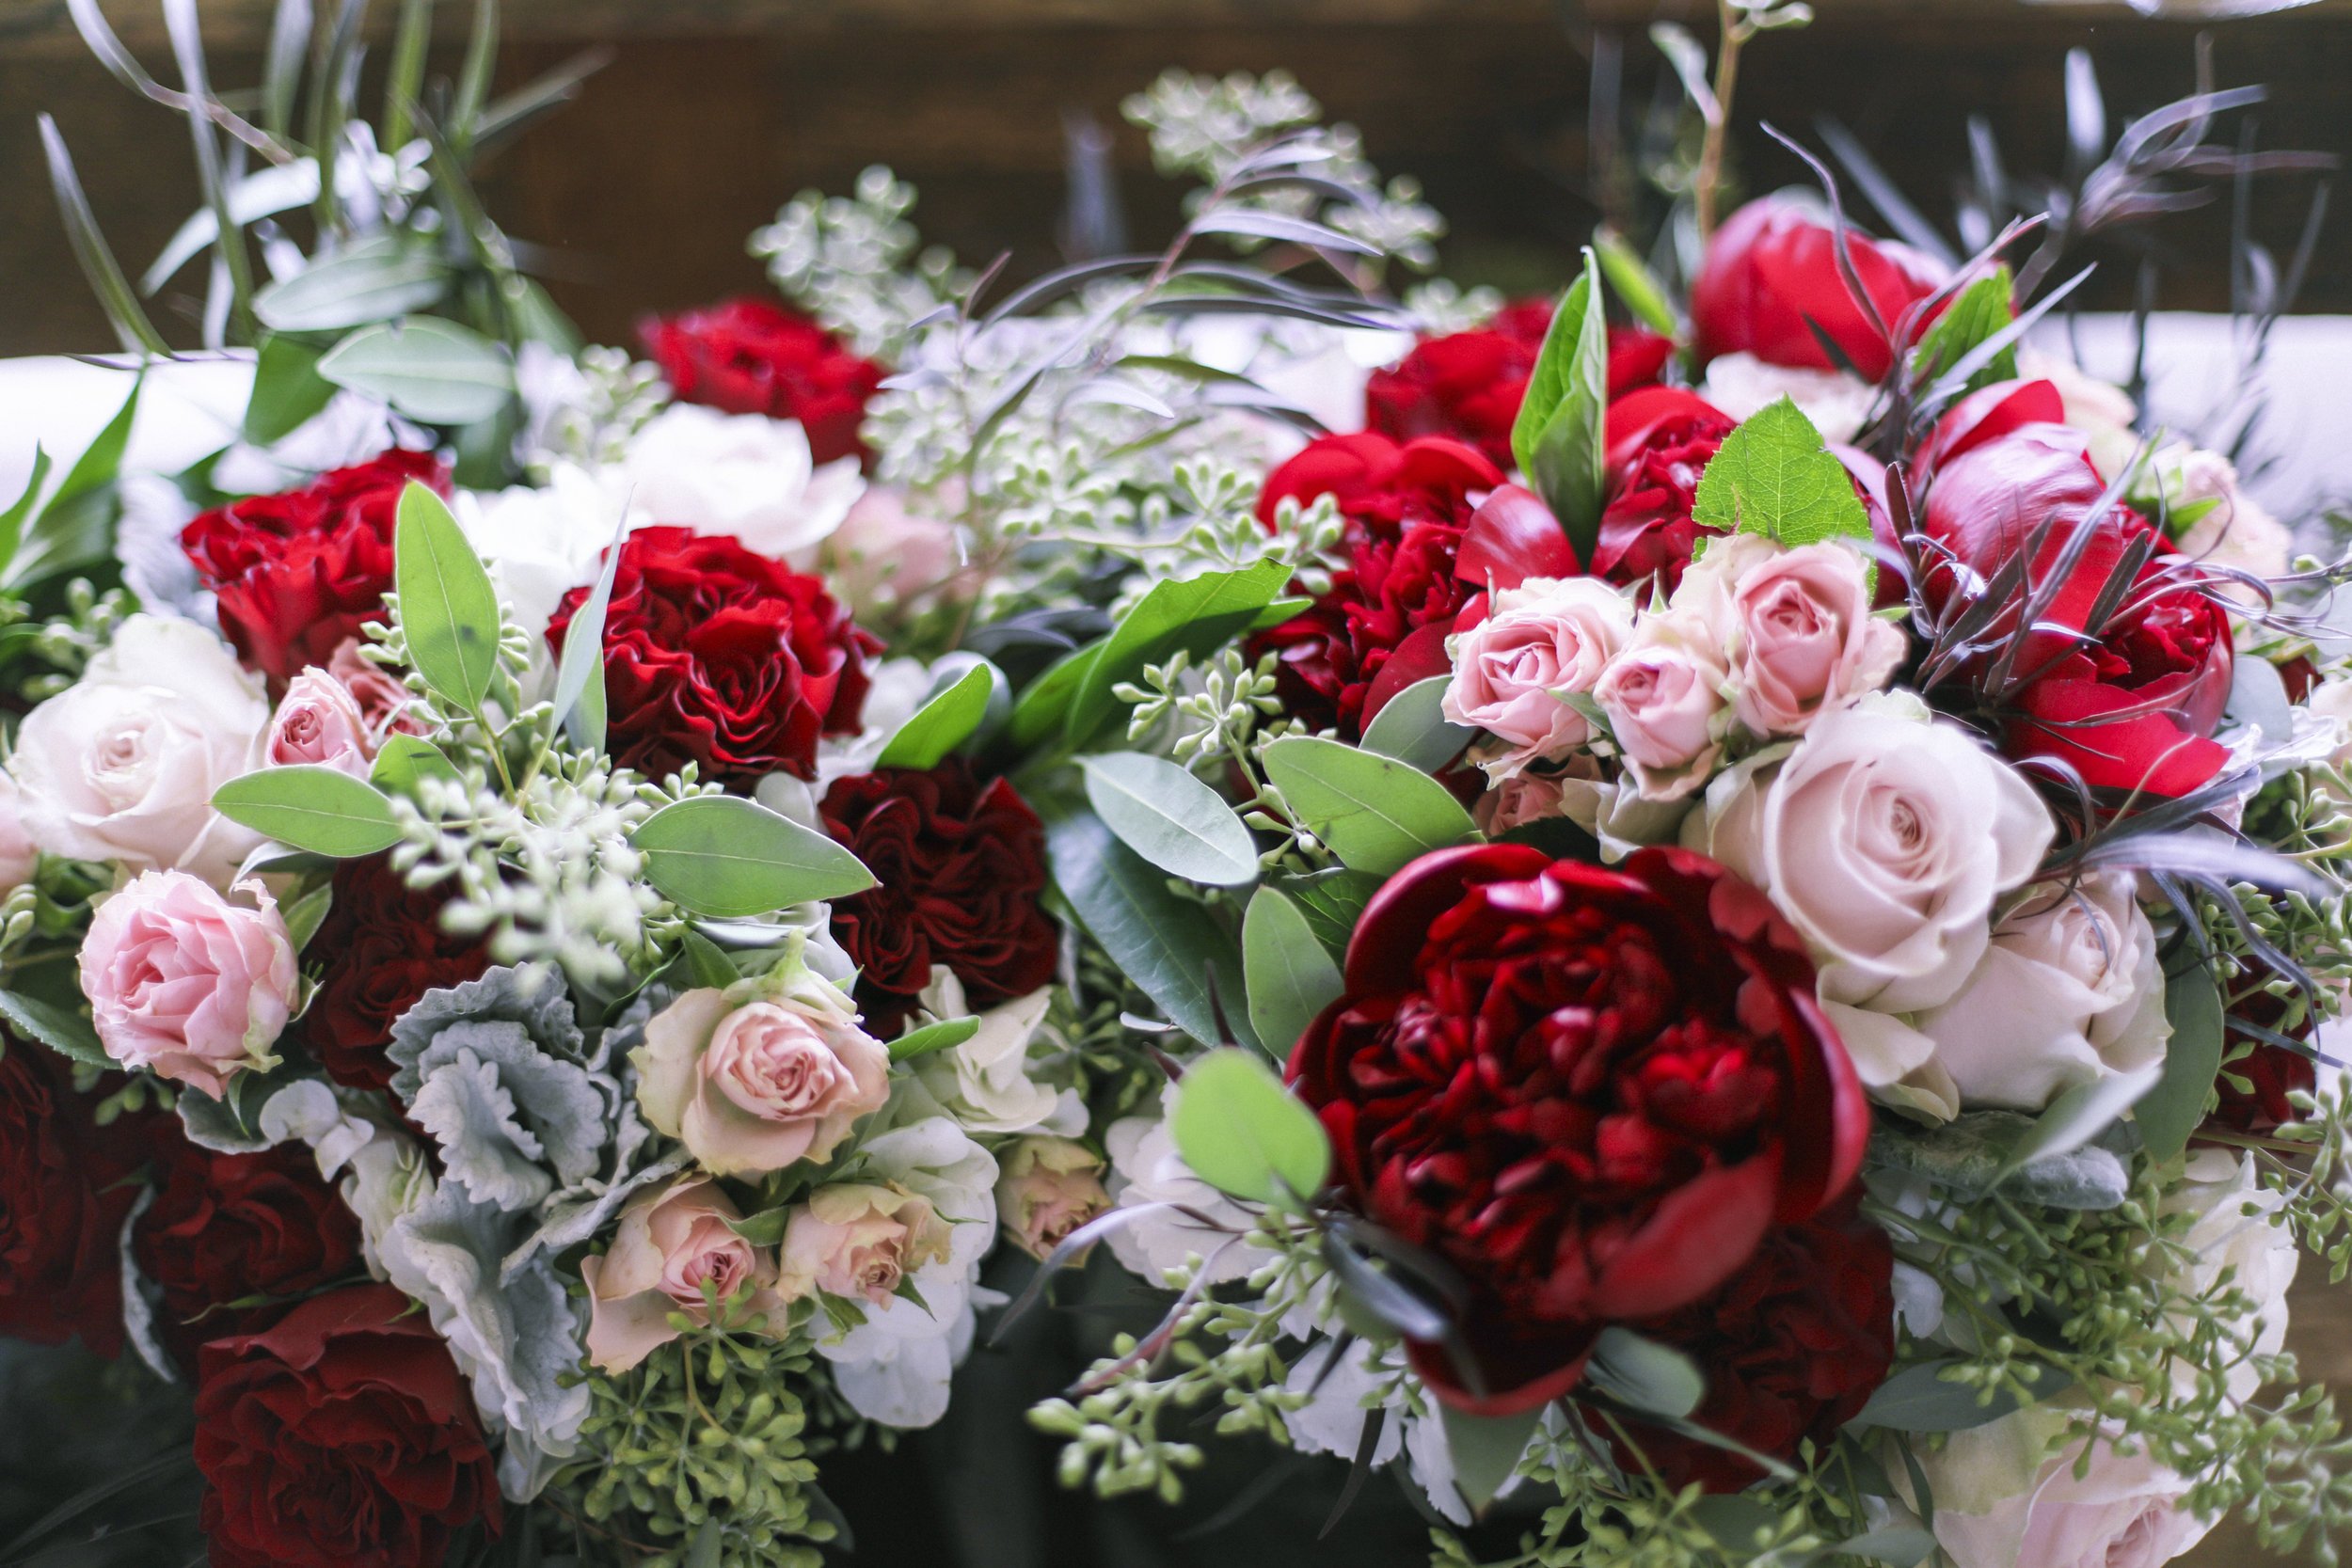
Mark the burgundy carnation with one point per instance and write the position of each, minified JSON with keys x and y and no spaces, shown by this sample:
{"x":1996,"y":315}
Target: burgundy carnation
{"x":295,"y":574}
{"x":1658,"y":440}
{"x":63,"y":1196}
{"x":1791,"y":1348}
{"x":225,"y":1227}
{"x":383,"y":947}
{"x":755,"y":357}
{"x":341,"y":1438}
{"x":1772,"y":286}
{"x":960,"y":869}
{"x":716,"y":656}
{"x":1592,"y":1090}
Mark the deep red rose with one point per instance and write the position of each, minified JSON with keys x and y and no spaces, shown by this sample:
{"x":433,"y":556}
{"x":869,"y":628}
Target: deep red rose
{"x":295,"y":574}
{"x":1791,"y":1347}
{"x":383,"y":947}
{"x":226,"y":1226}
{"x":959,"y":868}
{"x":757,"y":356}
{"x":341,"y":1438}
{"x":1658,"y":440}
{"x":2257,"y":1017}
{"x":1592,"y":1090}
{"x":63,"y":1195}
{"x":1773,"y":267}
{"x":721,"y":658}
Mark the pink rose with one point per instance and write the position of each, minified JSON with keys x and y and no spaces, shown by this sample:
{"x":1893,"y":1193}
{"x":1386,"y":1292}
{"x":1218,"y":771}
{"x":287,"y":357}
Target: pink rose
{"x":858,"y":1241}
{"x":319,"y":722}
{"x":1542,"y":642}
{"x":186,"y":985}
{"x":1803,"y":637}
{"x":1525,"y":798}
{"x":388,"y":708}
{"x":19,"y":854}
{"x":1664,"y":700}
{"x":886,"y":557}
{"x":1045,"y":1189}
{"x":752,"y":1088}
{"x":673,"y":1244}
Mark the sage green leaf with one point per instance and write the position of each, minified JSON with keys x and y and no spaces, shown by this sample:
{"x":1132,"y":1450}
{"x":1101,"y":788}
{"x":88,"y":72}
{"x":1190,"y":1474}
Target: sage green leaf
{"x":433,"y":371}
{"x":1375,"y":812}
{"x":1243,"y":1133}
{"x":1195,"y":615}
{"x":2192,"y":1059}
{"x":1773,"y":476}
{"x":944,"y":1035}
{"x":706,"y":963}
{"x":730,"y":858}
{"x":1413,"y":727}
{"x":1977,"y":316}
{"x":313,"y":808}
{"x":947,"y":719}
{"x":1919,"y":1398}
{"x":1170,"y":818}
{"x":372,"y":281}
{"x":69,"y":1033}
{"x":1645,"y":1374}
{"x":580,"y":669}
{"x":1332,"y":901}
{"x":1486,"y":1449}
{"x":286,"y":389}
{"x":307,"y":913}
{"x":1290,"y":976}
{"x":406,"y":758}
{"x":449,"y":612}
{"x":1892,"y":1545}
{"x":2078,"y":1115}
{"x":1557,"y":438}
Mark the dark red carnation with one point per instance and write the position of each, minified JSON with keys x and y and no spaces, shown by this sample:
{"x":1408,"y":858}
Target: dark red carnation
{"x":721,"y":658}
{"x":341,"y":1438}
{"x":959,"y":868}
{"x":757,"y":356}
{"x":2258,"y":1019}
{"x":1791,"y":1348}
{"x":295,"y":574}
{"x":1658,"y":440}
{"x":1771,"y":276}
{"x":225,"y":1227}
{"x":1591,"y":1090}
{"x":64,"y":1191}
{"x":383,"y":947}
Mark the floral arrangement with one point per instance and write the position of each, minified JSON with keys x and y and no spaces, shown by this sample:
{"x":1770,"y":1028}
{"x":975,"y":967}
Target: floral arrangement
{"x":1695,"y":917}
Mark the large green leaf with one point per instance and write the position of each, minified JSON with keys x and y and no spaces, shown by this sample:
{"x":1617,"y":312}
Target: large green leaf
{"x":946,"y":721}
{"x":1773,"y":476}
{"x":1557,"y":438}
{"x":2192,"y":1058}
{"x":1413,"y":727}
{"x":1170,"y":818}
{"x":1243,"y":1133}
{"x":307,"y":807}
{"x":75,"y":528}
{"x":449,"y":611}
{"x":730,"y":858}
{"x":1291,"y":975}
{"x":431,"y":370}
{"x":372,"y":281}
{"x":286,"y":389}
{"x":1042,"y":710}
{"x":1196,"y":615}
{"x":1375,"y":812}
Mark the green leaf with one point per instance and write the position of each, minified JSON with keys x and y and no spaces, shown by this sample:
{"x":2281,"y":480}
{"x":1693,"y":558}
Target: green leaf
{"x":1486,"y":1449}
{"x":1979,"y":313}
{"x":406,"y":758}
{"x":1170,"y":818}
{"x":944,"y":723}
{"x":706,"y":963}
{"x":1331,"y":901}
{"x":1892,"y":1545}
{"x":1557,"y":438}
{"x":286,"y":389}
{"x":1375,"y":812}
{"x":69,"y":1034}
{"x":305,"y":915}
{"x":1632,"y":281}
{"x":1243,"y":1133}
{"x":1166,"y":944}
{"x":1645,"y":1374}
{"x":2192,"y":1059}
{"x":2078,"y":1115}
{"x":449,"y":612}
{"x":1413,"y":727}
{"x":765,"y":1228}
{"x":1196,"y":615}
{"x":96,"y":258}
{"x":372,"y":281}
{"x":75,"y":528}
{"x":944,"y":1035}
{"x":12,"y":520}
{"x":313,"y":808}
{"x":433,"y":371}
{"x":1773,"y":476}
{"x":1919,"y":1398}
{"x":1043,"y":708}
{"x":1289,"y":974}
{"x":578,"y":698}
{"x":730,"y":858}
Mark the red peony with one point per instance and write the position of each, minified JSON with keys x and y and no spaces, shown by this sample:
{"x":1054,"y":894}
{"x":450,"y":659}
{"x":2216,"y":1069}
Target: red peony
{"x":1791,"y":1348}
{"x":383,"y":947}
{"x":959,"y":868}
{"x":721,"y":657}
{"x":343,"y":1437}
{"x":1593,"y":1091}
{"x":63,"y":1196}
{"x":1658,"y":440}
{"x":1771,"y":278}
{"x":225,"y":1227}
{"x":757,"y":356}
{"x":295,"y":574}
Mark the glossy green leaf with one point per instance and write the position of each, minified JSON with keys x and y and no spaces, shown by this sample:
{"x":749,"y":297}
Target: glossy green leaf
{"x":1773,"y":476}
{"x":2192,"y":1059}
{"x":1243,"y":1133}
{"x":372,"y":281}
{"x":1977,"y":316}
{"x":1485,"y":1450}
{"x":1196,"y":615}
{"x":286,"y":389}
{"x":1291,"y":975}
{"x":1630,"y":280}
{"x":75,"y":529}
{"x":449,"y":611}
{"x":944,"y":1035}
{"x":1557,"y":438}
{"x":1413,"y":727}
{"x":1644,"y":1374}
{"x":730,"y":858}
{"x":1170,"y":818}
{"x":307,"y":807}
{"x":406,"y":758}
{"x":1375,"y":812}
{"x":70,"y":1034}
{"x":944,"y":723}
{"x":1042,"y":710}
{"x":431,"y":370}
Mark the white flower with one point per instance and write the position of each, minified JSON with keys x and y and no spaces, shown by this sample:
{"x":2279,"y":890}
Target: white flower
{"x":541,"y":544}
{"x":2001,"y":1503}
{"x":2100,"y":410}
{"x":740,"y":474}
{"x":1338,"y":1403}
{"x":122,"y":765}
{"x":2229,"y":528}
{"x":1145,"y":1169}
{"x":985,"y":1083}
{"x":1742,"y":386}
{"x":2237,"y":1232}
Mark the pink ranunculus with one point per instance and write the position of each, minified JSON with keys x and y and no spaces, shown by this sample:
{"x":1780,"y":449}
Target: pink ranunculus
{"x":1045,"y":1189}
{"x":388,"y":708}
{"x":319,"y":722}
{"x":1803,"y":637}
{"x":1512,"y":671}
{"x":186,"y":985}
{"x":752,"y":1088}
{"x":858,"y":1241}
{"x":1664,"y":699}
{"x":671,"y":1241}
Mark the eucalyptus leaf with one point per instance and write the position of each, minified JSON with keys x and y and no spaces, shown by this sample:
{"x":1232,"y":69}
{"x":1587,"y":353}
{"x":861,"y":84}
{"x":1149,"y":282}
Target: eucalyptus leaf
{"x":1413,"y":727}
{"x":322,"y":810}
{"x":403,"y":760}
{"x":1375,"y":812}
{"x":433,"y":371}
{"x":1245,"y":1135}
{"x":307,"y":913}
{"x":944,"y":722}
{"x":449,"y":611}
{"x":1919,"y":1398}
{"x":2192,"y":1059}
{"x":1773,"y":476}
{"x":730,"y":858}
{"x":286,"y":389}
{"x":2078,"y":1115}
{"x":1170,"y":818}
{"x":1290,"y":976}
{"x":1644,"y":1374}
{"x":1485,"y":1450}
{"x":944,"y":1035}
{"x":68,"y":1033}
{"x":372,"y":281}
{"x":579,"y":670}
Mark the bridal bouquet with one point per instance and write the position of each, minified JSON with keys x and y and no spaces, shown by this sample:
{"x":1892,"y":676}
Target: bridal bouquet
{"x":1696,"y":918}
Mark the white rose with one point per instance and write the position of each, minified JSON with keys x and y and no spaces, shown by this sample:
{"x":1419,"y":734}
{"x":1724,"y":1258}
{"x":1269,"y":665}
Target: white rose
{"x":541,"y":544}
{"x":122,"y":765}
{"x":2230,"y":529}
{"x":1742,"y":386}
{"x":985,"y":1083}
{"x":2069,"y":991}
{"x":2100,"y":410}
{"x":2254,"y":1248}
{"x":2000,"y":1503}
{"x":740,"y":474}
{"x":1145,"y":1169}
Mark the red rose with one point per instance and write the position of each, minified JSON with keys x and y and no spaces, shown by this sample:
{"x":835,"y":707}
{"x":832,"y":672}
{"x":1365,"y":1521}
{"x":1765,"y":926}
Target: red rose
{"x":63,"y":1196}
{"x":1592,"y":1090}
{"x":1770,"y":276}
{"x":383,"y":947}
{"x":295,"y":574}
{"x":721,"y":658}
{"x":1658,"y":442}
{"x":226,"y":1226}
{"x":1791,"y":1348}
{"x":960,"y":869}
{"x":755,"y":357}
{"x":343,"y":1437}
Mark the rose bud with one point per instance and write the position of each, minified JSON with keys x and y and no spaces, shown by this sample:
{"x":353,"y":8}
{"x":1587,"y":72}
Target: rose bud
{"x":858,"y":1241}
{"x":672,"y":1242}
{"x":1045,"y":1189}
{"x":1772,"y":275}
{"x":1591,"y":1091}
{"x":1666,"y":706}
{"x":318,"y":721}
{"x":1540,"y":643}
{"x":185,"y":985}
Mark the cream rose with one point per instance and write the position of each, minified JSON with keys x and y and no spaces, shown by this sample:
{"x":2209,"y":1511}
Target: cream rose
{"x":1045,"y":1189}
{"x":1543,"y":642}
{"x":2236,"y":1231}
{"x":1836,"y":402}
{"x":2003,"y":1500}
{"x":1664,"y":700}
{"x":672,"y":1242}
{"x":859,"y":1240}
